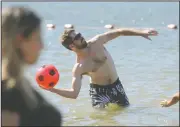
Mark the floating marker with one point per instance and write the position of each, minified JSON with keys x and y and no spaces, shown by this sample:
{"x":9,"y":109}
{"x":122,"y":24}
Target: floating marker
{"x":68,"y":26}
{"x":172,"y":26}
{"x":109,"y":26}
{"x":50,"y":26}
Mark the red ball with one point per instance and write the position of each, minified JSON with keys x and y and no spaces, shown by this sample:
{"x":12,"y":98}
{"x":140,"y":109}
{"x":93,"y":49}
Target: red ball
{"x":47,"y":76}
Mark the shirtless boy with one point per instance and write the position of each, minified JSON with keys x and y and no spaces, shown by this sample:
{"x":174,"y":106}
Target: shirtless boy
{"x":96,"y":62}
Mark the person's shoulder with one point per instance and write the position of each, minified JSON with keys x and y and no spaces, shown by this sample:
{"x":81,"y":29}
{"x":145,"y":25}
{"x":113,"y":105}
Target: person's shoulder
{"x":93,"y":39}
{"x":77,"y":67}
{"x":10,"y":97}
{"x":8,"y":85}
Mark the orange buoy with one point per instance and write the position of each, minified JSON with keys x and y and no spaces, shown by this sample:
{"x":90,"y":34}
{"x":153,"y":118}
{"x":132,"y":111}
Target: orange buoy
{"x":47,"y":76}
{"x":109,"y":26}
{"x":172,"y":26}
{"x":50,"y":26}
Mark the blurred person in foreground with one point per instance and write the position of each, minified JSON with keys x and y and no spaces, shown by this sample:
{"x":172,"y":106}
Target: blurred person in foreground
{"x":21,"y":46}
{"x":170,"y":102}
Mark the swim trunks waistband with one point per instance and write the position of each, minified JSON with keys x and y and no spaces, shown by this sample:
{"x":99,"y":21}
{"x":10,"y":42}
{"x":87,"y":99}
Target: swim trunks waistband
{"x":105,"y":86}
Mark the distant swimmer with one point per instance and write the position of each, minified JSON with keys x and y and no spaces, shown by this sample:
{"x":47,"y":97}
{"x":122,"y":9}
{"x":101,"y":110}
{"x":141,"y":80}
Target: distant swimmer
{"x":172,"y":101}
{"x":94,"y":60}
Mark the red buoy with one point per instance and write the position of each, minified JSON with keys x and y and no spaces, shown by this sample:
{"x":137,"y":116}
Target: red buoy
{"x":47,"y":76}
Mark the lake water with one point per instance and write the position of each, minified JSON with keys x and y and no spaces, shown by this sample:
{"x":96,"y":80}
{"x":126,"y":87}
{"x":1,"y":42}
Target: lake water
{"x":149,"y":70}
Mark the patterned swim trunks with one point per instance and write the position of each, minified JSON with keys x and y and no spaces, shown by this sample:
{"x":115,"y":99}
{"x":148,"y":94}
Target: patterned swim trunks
{"x":113,"y":93}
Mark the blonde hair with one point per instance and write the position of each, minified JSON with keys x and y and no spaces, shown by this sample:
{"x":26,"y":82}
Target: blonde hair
{"x":16,"y":21}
